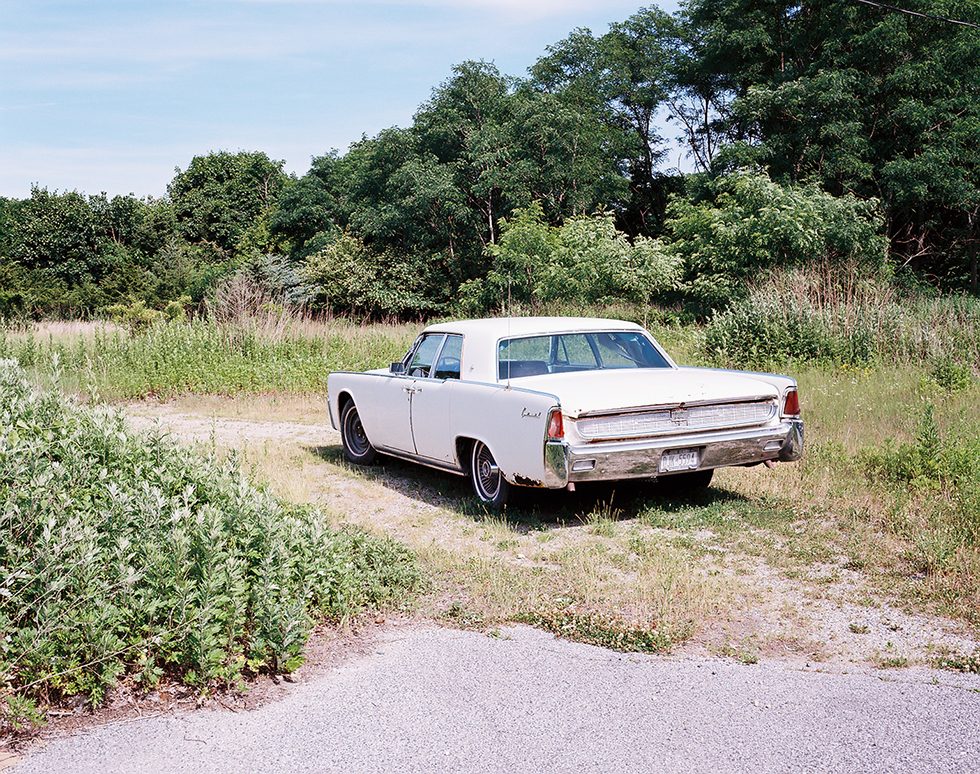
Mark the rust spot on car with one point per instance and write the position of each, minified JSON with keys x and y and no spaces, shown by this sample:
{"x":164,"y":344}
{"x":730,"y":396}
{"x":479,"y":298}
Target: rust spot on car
{"x":525,"y":481}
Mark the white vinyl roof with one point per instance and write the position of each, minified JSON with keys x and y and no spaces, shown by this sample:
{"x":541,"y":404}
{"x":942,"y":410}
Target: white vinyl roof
{"x":480,"y":337}
{"x":505,"y":327}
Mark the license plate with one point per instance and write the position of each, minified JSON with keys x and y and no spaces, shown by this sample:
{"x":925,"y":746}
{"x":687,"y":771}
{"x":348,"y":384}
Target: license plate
{"x":679,"y":459}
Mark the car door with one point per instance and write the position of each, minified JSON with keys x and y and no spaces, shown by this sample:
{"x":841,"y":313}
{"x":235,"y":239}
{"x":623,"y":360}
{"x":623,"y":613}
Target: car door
{"x":432,"y":403}
{"x":385,"y":403}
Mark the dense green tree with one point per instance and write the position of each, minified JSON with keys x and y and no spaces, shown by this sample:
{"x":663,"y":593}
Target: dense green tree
{"x":9,"y":213}
{"x":586,"y":260}
{"x":752,"y":225}
{"x":309,"y":205}
{"x":624,"y":78}
{"x":862,"y":100}
{"x":466,"y":124}
{"x":60,"y":234}
{"x":219,"y":197}
{"x":347,"y":277}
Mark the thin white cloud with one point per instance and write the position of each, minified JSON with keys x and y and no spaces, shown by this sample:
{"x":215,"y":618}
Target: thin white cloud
{"x":513,"y":9}
{"x":178,"y":42}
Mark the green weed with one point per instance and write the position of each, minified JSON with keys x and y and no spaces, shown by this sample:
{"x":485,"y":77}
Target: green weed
{"x":604,"y":630}
{"x":123,"y":552}
{"x":165,"y":359}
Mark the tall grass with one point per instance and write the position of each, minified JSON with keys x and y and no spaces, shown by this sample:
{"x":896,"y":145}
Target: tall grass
{"x":826,"y":315}
{"x":239,"y":348}
{"x":254,"y":355}
{"x":123,"y":553}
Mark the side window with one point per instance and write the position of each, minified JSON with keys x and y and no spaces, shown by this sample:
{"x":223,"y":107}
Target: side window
{"x":425,"y":353}
{"x":531,"y":348}
{"x":449,"y":360}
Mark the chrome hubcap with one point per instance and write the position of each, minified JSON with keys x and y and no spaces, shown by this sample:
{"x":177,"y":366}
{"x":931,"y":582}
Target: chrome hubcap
{"x":487,"y":476}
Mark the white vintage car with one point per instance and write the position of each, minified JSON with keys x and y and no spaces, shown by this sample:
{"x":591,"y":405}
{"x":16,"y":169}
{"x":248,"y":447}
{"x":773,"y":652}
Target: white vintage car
{"x":553,"y":401}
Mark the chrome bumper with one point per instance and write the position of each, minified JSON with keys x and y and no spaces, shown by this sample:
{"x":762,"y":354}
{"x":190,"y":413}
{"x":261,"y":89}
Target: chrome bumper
{"x":614,"y":460}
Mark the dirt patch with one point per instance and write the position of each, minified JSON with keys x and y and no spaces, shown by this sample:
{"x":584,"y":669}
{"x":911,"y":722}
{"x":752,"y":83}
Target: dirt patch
{"x":487,"y":568}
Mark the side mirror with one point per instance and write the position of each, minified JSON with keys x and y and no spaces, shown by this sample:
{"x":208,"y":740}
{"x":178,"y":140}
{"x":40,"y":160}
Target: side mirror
{"x":397,"y":368}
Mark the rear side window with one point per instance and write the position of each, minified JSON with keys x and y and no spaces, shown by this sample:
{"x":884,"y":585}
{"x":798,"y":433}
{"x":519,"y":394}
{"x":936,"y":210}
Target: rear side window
{"x":448,"y":366}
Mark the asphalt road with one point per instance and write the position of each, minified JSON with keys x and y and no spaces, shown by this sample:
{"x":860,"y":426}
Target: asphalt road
{"x":430,"y":699}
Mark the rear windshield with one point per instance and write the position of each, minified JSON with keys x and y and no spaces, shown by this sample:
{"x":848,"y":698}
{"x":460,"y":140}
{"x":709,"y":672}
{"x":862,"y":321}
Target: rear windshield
{"x":564,"y":352}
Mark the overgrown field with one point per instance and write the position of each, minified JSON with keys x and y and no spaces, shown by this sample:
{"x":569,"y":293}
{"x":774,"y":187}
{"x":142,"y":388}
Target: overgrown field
{"x":124,"y":554}
{"x":791,"y":321}
{"x":882,"y":514}
{"x":201,"y":356}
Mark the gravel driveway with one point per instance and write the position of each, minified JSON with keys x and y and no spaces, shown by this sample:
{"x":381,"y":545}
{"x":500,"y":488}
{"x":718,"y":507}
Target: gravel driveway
{"x":432,"y":699}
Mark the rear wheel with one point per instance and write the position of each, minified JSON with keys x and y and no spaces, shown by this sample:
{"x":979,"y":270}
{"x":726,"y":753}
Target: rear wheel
{"x":685,"y":484}
{"x":357,"y":447}
{"x":489,"y":483}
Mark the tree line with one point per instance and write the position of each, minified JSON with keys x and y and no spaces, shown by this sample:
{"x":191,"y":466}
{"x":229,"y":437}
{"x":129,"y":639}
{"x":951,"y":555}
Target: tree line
{"x":819,"y":130}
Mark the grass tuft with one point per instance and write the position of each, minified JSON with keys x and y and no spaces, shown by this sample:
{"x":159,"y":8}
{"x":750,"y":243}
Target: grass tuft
{"x":604,"y":630}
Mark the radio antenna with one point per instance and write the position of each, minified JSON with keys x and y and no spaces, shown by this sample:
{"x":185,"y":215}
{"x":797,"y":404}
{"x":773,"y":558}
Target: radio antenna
{"x":510,"y":310}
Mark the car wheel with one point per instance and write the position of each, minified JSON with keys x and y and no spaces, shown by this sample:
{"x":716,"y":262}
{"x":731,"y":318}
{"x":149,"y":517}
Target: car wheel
{"x":489,"y":483}
{"x":685,"y":484}
{"x":357,"y":447}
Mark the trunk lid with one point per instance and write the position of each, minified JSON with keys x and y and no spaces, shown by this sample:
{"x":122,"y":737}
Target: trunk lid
{"x":615,"y":389}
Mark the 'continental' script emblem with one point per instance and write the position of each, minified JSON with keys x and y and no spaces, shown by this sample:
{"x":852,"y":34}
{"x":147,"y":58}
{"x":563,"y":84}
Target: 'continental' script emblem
{"x":531,"y":414}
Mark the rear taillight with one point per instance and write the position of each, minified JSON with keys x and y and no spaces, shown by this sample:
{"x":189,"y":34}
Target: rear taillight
{"x":556,"y":427}
{"x":791,"y":405}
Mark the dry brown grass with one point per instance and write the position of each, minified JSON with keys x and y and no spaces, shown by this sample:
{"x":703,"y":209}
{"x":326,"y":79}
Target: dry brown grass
{"x":772,"y":563}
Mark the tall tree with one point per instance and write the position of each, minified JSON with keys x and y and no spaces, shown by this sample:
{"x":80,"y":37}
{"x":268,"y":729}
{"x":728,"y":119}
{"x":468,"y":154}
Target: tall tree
{"x":863,"y":100}
{"x":309,"y":205}
{"x":625,"y":78}
{"x":219,"y":197}
{"x":465,"y":124}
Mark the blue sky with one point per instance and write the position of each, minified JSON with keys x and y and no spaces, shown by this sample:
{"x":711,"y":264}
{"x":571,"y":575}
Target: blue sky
{"x":112,"y":95}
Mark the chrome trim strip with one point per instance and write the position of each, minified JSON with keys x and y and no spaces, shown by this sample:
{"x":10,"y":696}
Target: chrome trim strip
{"x":677,"y":429}
{"x":497,"y":385}
{"x":616,"y":460}
{"x":665,"y":406}
{"x":446,"y":467}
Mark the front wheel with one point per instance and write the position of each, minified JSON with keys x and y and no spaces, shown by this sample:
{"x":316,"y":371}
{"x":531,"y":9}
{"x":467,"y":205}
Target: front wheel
{"x":357,"y":447}
{"x":489,"y":483}
{"x":685,"y":484}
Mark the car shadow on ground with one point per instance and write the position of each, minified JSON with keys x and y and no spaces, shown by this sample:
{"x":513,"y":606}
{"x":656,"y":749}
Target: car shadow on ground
{"x":529,"y":509}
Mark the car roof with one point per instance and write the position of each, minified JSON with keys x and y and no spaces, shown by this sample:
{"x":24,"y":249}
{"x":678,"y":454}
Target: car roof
{"x":479,"y":361}
{"x":506,"y":327}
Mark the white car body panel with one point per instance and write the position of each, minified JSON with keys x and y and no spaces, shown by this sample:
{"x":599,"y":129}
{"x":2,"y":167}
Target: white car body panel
{"x":431,"y":420}
{"x":607,"y":390}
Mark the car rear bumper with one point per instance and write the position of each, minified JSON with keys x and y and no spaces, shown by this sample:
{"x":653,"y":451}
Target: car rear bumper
{"x":615,"y":460}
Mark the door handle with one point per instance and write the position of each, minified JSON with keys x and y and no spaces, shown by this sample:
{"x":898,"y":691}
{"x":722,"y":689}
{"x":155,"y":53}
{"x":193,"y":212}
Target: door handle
{"x":416,"y":389}
{"x":409,"y":390}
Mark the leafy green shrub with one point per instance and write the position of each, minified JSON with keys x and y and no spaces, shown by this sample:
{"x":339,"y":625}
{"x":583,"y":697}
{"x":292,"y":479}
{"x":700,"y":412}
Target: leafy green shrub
{"x":931,"y":460}
{"x":837,"y":315}
{"x":135,"y":315}
{"x":951,"y":376}
{"x":753,"y":225}
{"x":584,"y":261}
{"x":345,"y":276}
{"x":936,"y":461}
{"x":124,"y":553}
